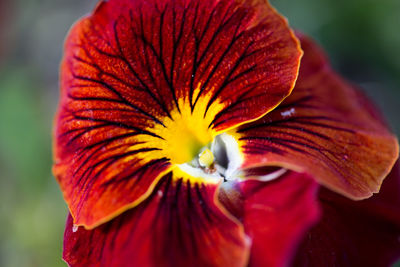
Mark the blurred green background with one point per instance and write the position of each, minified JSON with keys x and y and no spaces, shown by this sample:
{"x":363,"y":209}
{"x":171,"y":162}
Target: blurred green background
{"x":361,"y":37}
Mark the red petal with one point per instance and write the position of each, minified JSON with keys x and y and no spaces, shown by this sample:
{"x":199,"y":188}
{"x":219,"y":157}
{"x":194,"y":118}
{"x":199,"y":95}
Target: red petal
{"x":324,"y":128}
{"x":362,"y":233}
{"x":275,"y":215}
{"x":135,"y":72}
{"x":178,"y":225}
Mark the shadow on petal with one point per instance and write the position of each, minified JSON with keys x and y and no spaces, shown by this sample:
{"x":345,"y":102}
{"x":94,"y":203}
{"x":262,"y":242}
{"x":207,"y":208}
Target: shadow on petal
{"x":356,"y":233}
{"x":276,"y":215}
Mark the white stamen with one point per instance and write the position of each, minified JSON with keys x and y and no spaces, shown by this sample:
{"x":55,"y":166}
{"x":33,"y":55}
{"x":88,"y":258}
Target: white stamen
{"x":198,"y":172}
{"x":75,"y":228}
{"x":235,"y":158}
{"x":288,"y":113}
{"x":223,"y":163}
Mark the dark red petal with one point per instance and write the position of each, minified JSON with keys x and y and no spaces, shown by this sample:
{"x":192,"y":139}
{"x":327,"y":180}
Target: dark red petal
{"x":275,"y":215}
{"x":178,"y":225}
{"x":356,"y":233}
{"x":137,"y":74}
{"x":235,"y":59}
{"x":325,"y":128}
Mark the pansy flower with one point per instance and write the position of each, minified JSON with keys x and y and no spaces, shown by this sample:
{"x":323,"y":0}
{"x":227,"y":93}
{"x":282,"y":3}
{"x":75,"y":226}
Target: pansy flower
{"x":193,"y":133}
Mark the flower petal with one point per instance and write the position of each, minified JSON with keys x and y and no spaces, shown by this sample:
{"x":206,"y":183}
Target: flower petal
{"x":361,"y":233}
{"x":325,"y":128}
{"x":146,"y":83}
{"x":178,"y":225}
{"x":275,"y":215}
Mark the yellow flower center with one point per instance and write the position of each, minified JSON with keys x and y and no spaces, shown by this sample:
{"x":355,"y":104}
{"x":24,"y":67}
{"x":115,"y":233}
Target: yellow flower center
{"x":184,"y":134}
{"x":192,"y":147}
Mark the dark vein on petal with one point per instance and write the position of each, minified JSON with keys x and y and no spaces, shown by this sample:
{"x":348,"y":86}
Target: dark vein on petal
{"x":103,"y":99}
{"x":300,"y":120}
{"x":119,"y":124}
{"x":202,"y":204}
{"x":115,"y":91}
{"x":192,"y":224}
{"x":90,"y":179}
{"x":234,"y":39}
{"x":241,"y":99}
{"x":160,"y":61}
{"x":138,"y":173}
{"x":227,"y":80}
{"x":196,"y":63}
{"x":123,"y":58}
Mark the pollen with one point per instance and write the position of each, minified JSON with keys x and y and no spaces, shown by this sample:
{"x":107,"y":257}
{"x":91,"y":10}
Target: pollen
{"x":206,"y":158}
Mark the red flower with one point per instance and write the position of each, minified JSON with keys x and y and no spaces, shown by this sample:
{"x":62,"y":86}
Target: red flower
{"x":179,"y":142}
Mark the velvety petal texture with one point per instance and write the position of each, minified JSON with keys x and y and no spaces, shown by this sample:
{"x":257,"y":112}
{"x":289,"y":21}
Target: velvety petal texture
{"x":325,"y":128}
{"x":362,"y":233}
{"x":146,"y":84}
{"x":275,"y":215}
{"x":180,"y":224}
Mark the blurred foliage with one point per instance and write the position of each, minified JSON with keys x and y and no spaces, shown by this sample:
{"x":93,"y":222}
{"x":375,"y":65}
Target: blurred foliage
{"x":32,"y":210}
{"x":30,"y":204}
{"x":361,"y":38}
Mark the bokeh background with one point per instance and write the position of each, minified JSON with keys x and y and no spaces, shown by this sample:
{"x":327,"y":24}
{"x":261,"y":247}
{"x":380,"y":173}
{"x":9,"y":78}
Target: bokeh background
{"x":362,"y":38}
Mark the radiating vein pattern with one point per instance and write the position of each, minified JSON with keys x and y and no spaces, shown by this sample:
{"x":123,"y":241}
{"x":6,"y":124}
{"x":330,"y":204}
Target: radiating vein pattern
{"x":325,"y":128}
{"x":146,"y":84}
{"x":170,"y":228}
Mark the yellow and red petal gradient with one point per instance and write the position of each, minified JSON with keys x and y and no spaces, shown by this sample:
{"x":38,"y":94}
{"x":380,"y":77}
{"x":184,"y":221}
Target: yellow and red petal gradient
{"x":146,"y":84}
{"x":179,"y":224}
{"x":362,"y":233}
{"x":325,"y":128}
{"x":275,"y":215}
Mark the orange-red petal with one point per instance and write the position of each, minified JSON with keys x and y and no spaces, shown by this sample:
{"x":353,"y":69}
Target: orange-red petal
{"x":135,"y":73}
{"x":180,"y":224}
{"x":325,"y":128}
